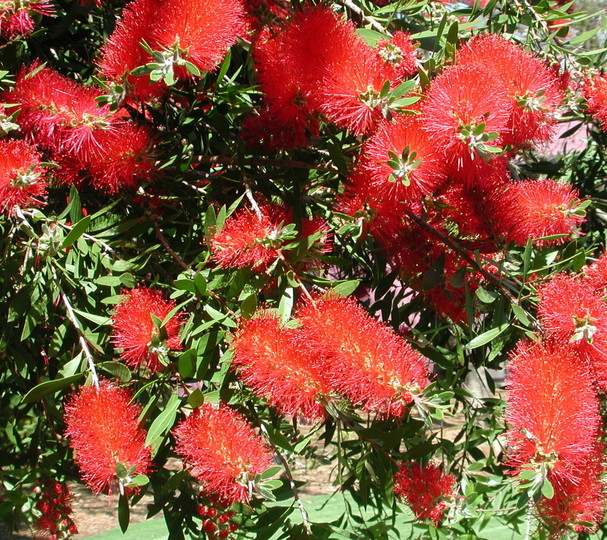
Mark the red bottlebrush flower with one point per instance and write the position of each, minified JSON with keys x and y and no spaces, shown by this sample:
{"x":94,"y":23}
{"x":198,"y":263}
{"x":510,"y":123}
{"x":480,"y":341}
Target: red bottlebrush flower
{"x":124,"y":159}
{"x":339,"y":74}
{"x":122,"y":52}
{"x":534,"y":89}
{"x":223,"y":450}
{"x":105,"y":435}
{"x":427,"y":490}
{"x":288,"y":112}
{"x":467,"y":120}
{"x":58,"y":113}
{"x":135,"y":333}
{"x":575,"y":315}
{"x":595,"y":275}
{"x":252,"y":239}
{"x":16,"y":19}
{"x":595,"y":92}
{"x":399,"y":55}
{"x":196,"y":31}
{"x":54,"y":504}
{"x":553,"y":412}
{"x":22,"y":178}
{"x":362,"y":358}
{"x":534,"y":209}
{"x":257,"y":239}
{"x":278,"y":366}
{"x":577,"y":507}
{"x":399,"y":163}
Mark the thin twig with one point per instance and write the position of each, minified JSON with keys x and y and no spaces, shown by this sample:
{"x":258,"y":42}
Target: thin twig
{"x":85,"y":347}
{"x":292,"y":485}
{"x":165,"y":244}
{"x":261,"y":162}
{"x":463,"y":252}
{"x":251,"y":198}
{"x":370,"y":20}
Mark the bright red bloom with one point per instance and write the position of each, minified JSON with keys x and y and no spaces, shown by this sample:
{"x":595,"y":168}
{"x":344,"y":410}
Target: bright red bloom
{"x":223,"y":450}
{"x":534,"y":209}
{"x":58,"y":113}
{"x":467,"y":120}
{"x":257,"y":239}
{"x":535,"y":90}
{"x":399,"y":163}
{"x":278,"y":366}
{"x":22,"y":178}
{"x":553,"y":412}
{"x":339,"y":75}
{"x":399,"y":55}
{"x":427,"y":490}
{"x":55,"y":506}
{"x":362,"y":358}
{"x":16,"y":19}
{"x":575,"y":315}
{"x":595,"y":92}
{"x":135,"y":333}
{"x":577,"y":506}
{"x":595,"y":275}
{"x":195,"y":31}
{"x":105,"y":435}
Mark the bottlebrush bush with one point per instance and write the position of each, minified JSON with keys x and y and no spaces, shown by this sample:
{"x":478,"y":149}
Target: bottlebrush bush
{"x":239,"y":236}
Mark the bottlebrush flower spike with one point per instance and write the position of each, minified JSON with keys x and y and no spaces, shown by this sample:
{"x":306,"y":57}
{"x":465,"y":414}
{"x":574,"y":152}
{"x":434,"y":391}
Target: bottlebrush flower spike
{"x":595,"y":92}
{"x":362,"y":358}
{"x":135,"y":332}
{"x":340,"y":75}
{"x":22,"y":179}
{"x":575,"y":315}
{"x":399,"y":55}
{"x":467,"y":120}
{"x":57,"y":113}
{"x":534,"y":209}
{"x":16,"y":19}
{"x":278,"y":366}
{"x":106,"y":438}
{"x":223,"y":450}
{"x":595,"y":275}
{"x":256,"y":239}
{"x":535,"y":90}
{"x":553,"y":412}
{"x":399,"y":163}
{"x":577,"y":507}
{"x":427,"y":490}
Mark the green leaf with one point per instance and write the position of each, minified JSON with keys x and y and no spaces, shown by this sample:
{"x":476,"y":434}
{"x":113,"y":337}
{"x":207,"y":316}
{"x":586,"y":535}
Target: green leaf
{"x":187,"y":363}
{"x":486,"y":337}
{"x":140,"y":480}
{"x":50,"y":387}
{"x":77,"y":231}
{"x":121,"y":471}
{"x":164,"y":421}
{"x":268,"y":473}
{"x":547,"y":489}
{"x":346,"y":288}
{"x":117,"y":369}
{"x":196,"y":398}
{"x":124,"y":513}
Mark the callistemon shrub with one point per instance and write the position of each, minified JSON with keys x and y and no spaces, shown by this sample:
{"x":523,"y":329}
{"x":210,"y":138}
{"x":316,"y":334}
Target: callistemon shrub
{"x":304,"y":269}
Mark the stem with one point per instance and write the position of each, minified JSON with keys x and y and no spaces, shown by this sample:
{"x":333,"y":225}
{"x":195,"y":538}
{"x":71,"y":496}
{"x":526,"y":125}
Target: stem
{"x":301,"y":284}
{"x":292,"y":485}
{"x":369,"y":20}
{"x":226,"y":160}
{"x":85,"y":347}
{"x":463,"y":252}
{"x":251,"y":198}
{"x":166,"y":246}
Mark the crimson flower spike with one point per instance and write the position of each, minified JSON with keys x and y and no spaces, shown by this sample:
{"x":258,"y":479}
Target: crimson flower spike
{"x":574,"y":315}
{"x":553,"y":413}
{"x":278,"y":366}
{"x":134,"y":330}
{"x":108,"y":444}
{"x":224,"y":452}
{"x":362,"y":358}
